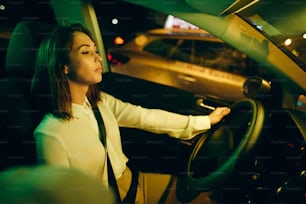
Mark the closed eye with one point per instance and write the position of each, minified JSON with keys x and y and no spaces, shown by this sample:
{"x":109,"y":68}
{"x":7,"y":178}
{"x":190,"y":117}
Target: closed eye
{"x":85,"y":52}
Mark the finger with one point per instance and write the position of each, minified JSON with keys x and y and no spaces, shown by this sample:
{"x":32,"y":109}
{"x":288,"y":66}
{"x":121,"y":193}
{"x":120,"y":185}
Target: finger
{"x":226,"y":111}
{"x":223,"y":110}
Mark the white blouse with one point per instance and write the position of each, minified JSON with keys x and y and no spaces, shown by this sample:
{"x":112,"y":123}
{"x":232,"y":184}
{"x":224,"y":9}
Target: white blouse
{"x":76,"y":144}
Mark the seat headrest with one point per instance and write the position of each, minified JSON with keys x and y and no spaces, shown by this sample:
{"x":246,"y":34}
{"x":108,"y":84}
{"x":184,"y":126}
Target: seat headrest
{"x":23,"y":45}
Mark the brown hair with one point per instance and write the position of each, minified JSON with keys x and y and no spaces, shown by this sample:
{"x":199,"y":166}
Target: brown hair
{"x":50,"y":85}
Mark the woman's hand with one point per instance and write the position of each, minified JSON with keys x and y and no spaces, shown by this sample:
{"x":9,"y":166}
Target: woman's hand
{"x":217,"y":115}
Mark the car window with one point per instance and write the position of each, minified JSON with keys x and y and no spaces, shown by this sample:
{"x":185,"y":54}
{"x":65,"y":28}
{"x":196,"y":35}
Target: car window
{"x":220,"y":56}
{"x":206,"y":54}
{"x":161,"y":47}
{"x":184,"y":51}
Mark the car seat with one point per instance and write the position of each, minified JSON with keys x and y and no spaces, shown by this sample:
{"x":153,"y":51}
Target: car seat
{"x":17,"y":114}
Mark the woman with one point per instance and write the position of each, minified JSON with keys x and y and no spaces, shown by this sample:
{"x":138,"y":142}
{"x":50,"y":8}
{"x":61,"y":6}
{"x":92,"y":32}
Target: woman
{"x":68,"y":69}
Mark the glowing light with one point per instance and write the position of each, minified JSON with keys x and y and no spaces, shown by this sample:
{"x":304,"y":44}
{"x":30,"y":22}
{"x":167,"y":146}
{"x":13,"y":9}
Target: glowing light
{"x":109,"y":56}
{"x":295,"y":53}
{"x":115,"y":21}
{"x":279,"y":190}
{"x":288,"y":42}
{"x":299,"y":103}
{"x":2,"y":7}
{"x":118,"y":40}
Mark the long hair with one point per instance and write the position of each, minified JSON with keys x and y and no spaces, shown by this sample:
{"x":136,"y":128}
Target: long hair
{"x":50,"y":85}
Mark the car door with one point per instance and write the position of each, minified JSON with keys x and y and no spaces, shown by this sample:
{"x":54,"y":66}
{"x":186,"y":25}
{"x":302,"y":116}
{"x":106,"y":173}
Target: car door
{"x":206,"y":67}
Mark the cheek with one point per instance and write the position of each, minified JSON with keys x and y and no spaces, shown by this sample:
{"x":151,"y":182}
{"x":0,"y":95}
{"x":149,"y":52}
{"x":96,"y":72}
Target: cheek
{"x":84,"y":69}
{"x":80,"y":71}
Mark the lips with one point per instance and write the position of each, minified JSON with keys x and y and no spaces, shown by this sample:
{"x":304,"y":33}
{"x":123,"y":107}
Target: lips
{"x":99,"y":69}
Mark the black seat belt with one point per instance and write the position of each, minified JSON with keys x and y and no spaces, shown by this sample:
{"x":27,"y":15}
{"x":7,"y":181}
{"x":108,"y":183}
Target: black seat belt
{"x":111,"y":177}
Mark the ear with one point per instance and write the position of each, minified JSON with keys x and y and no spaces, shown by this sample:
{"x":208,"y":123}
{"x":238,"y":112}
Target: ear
{"x":66,"y":69}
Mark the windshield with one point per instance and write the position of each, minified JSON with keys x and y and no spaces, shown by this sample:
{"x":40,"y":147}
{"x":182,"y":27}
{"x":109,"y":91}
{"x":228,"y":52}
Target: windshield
{"x":284,"y":25}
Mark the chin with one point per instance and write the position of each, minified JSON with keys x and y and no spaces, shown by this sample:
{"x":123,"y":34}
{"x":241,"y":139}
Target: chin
{"x":99,"y":80}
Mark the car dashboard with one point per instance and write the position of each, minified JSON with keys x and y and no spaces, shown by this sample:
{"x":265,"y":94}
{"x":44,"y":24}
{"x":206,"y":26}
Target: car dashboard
{"x":275,"y":171}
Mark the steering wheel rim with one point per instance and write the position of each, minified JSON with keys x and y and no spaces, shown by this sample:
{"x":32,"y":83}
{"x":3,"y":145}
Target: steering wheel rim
{"x":246,"y":145}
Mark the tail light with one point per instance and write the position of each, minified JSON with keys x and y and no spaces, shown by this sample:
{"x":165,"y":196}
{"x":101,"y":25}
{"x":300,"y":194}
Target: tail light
{"x":118,"y":40}
{"x":117,"y":59}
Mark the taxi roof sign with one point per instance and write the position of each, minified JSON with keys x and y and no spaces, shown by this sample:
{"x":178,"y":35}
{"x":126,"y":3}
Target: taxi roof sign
{"x":173,"y":22}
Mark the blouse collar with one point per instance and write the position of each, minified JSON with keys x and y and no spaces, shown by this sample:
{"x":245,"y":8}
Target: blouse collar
{"x":78,"y":110}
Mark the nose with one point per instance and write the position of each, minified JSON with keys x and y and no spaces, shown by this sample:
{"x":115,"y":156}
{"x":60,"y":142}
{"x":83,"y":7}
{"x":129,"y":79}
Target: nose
{"x":98,"y":57}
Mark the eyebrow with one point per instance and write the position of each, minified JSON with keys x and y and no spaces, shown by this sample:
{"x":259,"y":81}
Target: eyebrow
{"x":84,"y":45}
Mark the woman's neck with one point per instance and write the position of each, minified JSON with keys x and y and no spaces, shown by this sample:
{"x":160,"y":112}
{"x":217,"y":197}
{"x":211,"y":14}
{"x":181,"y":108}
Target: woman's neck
{"x":78,"y":92}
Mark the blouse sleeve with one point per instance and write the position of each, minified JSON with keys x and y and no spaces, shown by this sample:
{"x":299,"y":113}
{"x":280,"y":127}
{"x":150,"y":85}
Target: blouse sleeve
{"x":156,"y":120}
{"x":51,"y":151}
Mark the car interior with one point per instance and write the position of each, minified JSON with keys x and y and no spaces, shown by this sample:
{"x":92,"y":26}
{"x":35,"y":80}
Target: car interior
{"x":257,"y":155}
{"x":18,"y":113}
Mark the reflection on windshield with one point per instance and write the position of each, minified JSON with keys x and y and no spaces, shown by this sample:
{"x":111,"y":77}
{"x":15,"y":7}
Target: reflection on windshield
{"x":283,"y":25}
{"x":295,"y":45}
{"x":217,"y":55}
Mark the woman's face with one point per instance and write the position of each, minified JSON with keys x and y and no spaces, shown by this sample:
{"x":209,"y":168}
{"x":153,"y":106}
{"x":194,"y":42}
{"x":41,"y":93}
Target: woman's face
{"x":85,"y":63}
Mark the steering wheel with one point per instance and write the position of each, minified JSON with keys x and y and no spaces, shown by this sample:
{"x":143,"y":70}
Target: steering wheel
{"x":217,"y":152}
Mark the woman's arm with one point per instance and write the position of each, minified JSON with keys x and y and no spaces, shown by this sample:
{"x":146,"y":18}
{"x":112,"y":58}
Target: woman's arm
{"x":50,"y":150}
{"x":160,"y":121}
